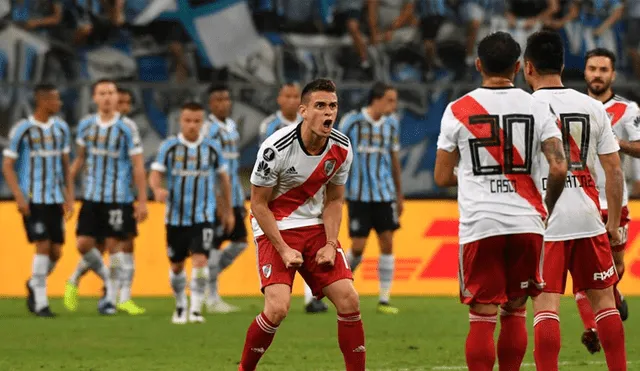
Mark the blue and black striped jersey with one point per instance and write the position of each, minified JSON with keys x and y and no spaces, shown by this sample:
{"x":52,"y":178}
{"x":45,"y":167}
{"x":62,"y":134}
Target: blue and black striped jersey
{"x":274,"y":123}
{"x":371,"y":178}
{"x":38,"y":149}
{"x":190,"y":169}
{"x":109,"y":147}
{"x":227,"y":136}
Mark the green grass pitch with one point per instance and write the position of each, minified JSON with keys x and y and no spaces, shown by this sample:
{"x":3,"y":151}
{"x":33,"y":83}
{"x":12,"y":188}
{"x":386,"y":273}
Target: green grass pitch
{"x":428,"y":334}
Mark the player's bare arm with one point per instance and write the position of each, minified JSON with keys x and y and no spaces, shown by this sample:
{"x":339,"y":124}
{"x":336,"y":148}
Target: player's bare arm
{"x":554,"y":152}
{"x":226,"y":208}
{"x":10,"y":176}
{"x":78,"y":162}
{"x":69,"y":198}
{"x":445,"y":163}
{"x":331,"y":216}
{"x":139,"y":179}
{"x":614,"y":179}
{"x":396,"y":172}
{"x":160,"y":194}
{"x":260,"y":197}
{"x":631,"y":148}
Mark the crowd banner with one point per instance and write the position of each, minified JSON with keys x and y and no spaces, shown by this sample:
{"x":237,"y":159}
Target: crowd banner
{"x":426,"y":250}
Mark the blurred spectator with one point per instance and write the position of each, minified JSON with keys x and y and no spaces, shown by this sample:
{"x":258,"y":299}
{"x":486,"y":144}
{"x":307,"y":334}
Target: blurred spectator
{"x":566,"y":13}
{"x":387,"y":16}
{"x":347,"y":19}
{"x":598,"y":17}
{"x":300,"y":16}
{"x":478,"y":13}
{"x":524,"y":17}
{"x":433,"y":14}
{"x":41,"y":16}
{"x":633,"y":38}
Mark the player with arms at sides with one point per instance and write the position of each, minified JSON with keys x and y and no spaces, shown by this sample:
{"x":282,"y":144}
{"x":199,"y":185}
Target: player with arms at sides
{"x":121,"y":276}
{"x":576,"y":238}
{"x":191,"y":162}
{"x":289,"y":101}
{"x":496,"y":135}
{"x":374,"y":190}
{"x":600,"y":73}
{"x":222,"y":129}
{"x":109,"y":144}
{"x":296,"y":218}
{"x":39,"y":147}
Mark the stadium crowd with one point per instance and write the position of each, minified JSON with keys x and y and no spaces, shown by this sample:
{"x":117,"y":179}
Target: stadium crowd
{"x":444,"y":32}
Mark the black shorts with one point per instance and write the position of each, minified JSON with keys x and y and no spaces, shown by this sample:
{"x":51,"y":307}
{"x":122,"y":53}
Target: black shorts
{"x":45,"y":223}
{"x":184,"y":241}
{"x":430,"y":26}
{"x":239,"y":232}
{"x":381,"y":216}
{"x":101,"y":220}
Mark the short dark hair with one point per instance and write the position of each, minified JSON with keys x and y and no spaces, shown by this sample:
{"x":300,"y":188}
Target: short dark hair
{"x":545,"y":50}
{"x":498,"y":53}
{"x":217,"y":87}
{"x":378,"y":90}
{"x":192,"y":106}
{"x":289,"y":83}
{"x":318,"y":85}
{"x":102,"y":81}
{"x":127,"y":92}
{"x":601,"y":52}
{"x":44,"y":88}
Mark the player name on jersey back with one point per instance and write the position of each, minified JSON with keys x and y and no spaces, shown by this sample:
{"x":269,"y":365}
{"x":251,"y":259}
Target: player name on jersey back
{"x":299,"y":179}
{"x":625,"y":120}
{"x":586,"y":134}
{"x":499,"y":133}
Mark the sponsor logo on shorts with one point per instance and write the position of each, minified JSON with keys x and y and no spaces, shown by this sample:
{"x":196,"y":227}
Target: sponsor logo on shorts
{"x":524,"y":285}
{"x":170,"y":252}
{"x":603,"y":276}
{"x":38,"y":228}
{"x":266,"y":270}
{"x":354,"y":225}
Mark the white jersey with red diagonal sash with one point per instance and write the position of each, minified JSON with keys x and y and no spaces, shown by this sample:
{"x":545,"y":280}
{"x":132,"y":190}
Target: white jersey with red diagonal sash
{"x":586,"y":133}
{"x":499,"y":134}
{"x":625,"y":120}
{"x":299,"y":179}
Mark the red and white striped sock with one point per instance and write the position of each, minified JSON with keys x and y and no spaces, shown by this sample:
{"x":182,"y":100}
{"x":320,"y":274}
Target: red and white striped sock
{"x":480,"y":349}
{"x":546,"y":328}
{"x":611,"y":333}
{"x":585,"y":310}
{"x":351,"y":341}
{"x":259,"y":336}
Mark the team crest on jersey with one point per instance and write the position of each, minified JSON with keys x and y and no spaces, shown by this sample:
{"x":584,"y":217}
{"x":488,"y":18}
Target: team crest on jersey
{"x":329,"y":166}
{"x":266,"y":270}
{"x":269,"y":154}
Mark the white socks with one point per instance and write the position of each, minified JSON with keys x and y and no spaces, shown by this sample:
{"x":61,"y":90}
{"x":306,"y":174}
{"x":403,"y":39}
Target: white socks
{"x":386,"y":267}
{"x":127,"y":270}
{"x":308,"y":295}
{"x":38,"y":282}
{"x":179,"y":285}
{"x":199,"y":278}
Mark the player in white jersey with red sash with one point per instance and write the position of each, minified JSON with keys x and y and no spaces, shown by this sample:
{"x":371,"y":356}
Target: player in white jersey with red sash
{"x":600,"y":72}
{"x":496,"y":135}
{"x":297,"y":195}
{"x":576,"y":238}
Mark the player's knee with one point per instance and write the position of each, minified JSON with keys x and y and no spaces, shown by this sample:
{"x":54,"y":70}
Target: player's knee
{"x":199,"y":260}
{"x":349,"y":302}
{"x":601,"y":299}
{"x":85,"y":244}
{"x":177,"y":267}
{"x":43,"y":248}
{"x":276,"y":312}
{"x":128,"y":247}
{"x":546,"y":301}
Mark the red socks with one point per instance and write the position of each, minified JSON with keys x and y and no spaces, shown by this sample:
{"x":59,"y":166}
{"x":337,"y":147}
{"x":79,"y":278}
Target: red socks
{"x":480,"y":348}
{"x":351,"y":341}
{"x":259,"y":336}
{"x":585,"y":310}
{"x":611,"y":333}
{"x":546,"y":327}
{"x":512,"y":342}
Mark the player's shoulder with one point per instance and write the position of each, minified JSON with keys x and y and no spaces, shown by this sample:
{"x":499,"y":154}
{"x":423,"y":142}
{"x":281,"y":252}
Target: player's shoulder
{"x":128,"y":123}
{"x":59,"y":122}
{"x":631,"y":106}
{"x":20,"y":127}
{"x":269,"y":120}
{"x":351,"y":118}
{"x":86,"y":121}
{"x":168,"y":142}
{"x":392,"y":120}
{"x":340,"y":139}
{"x":282,"y":138}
